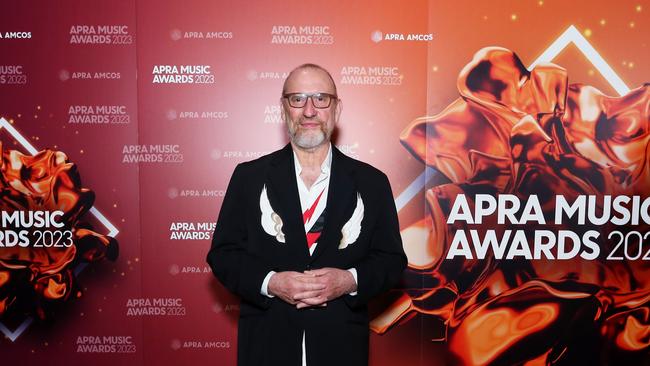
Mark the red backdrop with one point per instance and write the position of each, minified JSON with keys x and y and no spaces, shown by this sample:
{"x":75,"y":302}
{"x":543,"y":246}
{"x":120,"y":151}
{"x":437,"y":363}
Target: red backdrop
{"x":159,"y":157}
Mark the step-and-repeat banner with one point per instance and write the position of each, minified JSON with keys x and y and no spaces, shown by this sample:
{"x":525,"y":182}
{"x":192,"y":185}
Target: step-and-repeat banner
{"x":515,"y":135}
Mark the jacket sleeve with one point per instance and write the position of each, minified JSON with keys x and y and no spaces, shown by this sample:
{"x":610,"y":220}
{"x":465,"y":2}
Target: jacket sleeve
{"x":382,"y":268}
{"x":230,"y":257}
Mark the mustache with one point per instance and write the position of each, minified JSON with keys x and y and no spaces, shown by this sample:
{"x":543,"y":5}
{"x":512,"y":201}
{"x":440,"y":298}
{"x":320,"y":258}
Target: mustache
{"x":310,"y":120}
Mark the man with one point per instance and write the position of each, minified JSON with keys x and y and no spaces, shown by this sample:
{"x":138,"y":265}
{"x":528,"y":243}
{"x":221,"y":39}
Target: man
{"x":306,"y":237}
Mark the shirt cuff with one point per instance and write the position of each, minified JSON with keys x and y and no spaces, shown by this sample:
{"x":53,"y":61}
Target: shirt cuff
{"x":265,"y":284}
{"x":354,"y":274}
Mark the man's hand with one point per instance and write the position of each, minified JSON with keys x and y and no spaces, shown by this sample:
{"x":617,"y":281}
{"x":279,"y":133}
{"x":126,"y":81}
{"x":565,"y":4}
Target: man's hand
{"x":336,"y":282}
{"x":286,"y":285}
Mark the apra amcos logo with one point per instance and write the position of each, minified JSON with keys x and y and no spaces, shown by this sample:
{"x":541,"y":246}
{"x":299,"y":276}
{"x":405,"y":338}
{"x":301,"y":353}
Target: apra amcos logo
{"x":15,"y":35}
{"x":378,"y":36}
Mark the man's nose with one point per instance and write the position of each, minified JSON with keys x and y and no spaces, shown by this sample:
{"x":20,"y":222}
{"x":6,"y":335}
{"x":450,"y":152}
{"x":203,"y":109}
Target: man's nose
{"x":309,"y":110}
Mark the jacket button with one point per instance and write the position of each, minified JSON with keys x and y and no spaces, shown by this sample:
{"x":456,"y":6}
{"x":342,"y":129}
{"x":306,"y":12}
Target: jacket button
{"x":308,"y":267}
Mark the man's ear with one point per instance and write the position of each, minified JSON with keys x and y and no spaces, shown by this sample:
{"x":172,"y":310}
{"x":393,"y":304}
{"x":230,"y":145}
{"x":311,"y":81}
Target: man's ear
{"x":339,"y":108}
{"x":283,"y":112}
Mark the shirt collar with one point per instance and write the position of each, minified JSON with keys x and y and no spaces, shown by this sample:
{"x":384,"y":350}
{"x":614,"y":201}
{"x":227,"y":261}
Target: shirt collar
{"x":324,"y":167}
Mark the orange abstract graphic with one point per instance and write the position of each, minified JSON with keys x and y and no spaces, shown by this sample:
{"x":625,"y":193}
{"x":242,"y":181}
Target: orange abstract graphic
{"x":523,"y":133}
{"x":33,"y":280}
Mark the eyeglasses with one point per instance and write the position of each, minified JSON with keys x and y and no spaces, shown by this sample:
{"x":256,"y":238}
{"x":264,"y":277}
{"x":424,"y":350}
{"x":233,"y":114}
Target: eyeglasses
{"x":320,"y":100}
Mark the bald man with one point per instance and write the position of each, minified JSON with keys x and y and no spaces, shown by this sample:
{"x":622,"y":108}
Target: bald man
{"x":306,"y":237}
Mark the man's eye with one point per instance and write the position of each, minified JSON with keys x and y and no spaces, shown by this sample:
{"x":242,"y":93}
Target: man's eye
{"x":297,"y":98}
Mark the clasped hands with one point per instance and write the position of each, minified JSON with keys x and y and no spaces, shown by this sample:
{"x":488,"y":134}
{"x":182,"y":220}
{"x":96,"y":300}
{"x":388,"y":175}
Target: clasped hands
{"x":311,"y":288}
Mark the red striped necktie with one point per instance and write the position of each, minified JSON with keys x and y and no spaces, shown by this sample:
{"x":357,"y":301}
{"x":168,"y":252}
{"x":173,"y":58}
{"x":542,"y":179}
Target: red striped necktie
{"x":312,"y":235}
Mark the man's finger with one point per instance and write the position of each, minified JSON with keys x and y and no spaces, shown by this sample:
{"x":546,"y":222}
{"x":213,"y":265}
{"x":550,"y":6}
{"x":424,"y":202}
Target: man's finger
{"x":302,"y":305}
{"x":307,"y":278}
{"x":318,"y":272}
{"x":318,"y":300}
{"x":306,"y":295}
{"x":310,"y":287}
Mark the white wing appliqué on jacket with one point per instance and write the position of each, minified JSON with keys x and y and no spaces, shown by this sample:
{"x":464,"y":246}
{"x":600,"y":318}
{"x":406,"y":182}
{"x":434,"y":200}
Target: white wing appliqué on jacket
{"x":271,"y":221}
{"x":352,"y":228}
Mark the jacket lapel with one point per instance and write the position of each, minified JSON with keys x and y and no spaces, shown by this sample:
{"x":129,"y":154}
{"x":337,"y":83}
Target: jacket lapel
{"x":284,"y":195}
{"x":339,"y":199}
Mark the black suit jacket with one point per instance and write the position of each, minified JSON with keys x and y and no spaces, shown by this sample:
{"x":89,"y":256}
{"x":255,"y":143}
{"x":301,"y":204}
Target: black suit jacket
{"x":242,"y":253}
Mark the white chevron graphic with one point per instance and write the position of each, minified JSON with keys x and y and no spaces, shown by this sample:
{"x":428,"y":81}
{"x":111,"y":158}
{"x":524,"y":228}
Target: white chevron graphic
{"x":572,"y":35}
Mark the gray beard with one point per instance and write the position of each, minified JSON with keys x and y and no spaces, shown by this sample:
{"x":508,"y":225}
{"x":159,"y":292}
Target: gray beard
{"x":307,"y":140}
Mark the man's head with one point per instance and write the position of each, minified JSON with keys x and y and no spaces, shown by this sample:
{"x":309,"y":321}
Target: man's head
{"x":310,"y":106}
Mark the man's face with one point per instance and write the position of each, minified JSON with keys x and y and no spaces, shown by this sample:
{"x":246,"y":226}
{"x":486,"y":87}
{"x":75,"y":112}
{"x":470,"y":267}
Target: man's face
{"x":309,"y":126}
